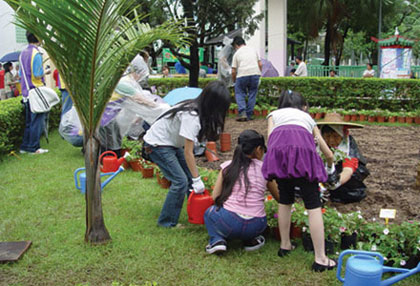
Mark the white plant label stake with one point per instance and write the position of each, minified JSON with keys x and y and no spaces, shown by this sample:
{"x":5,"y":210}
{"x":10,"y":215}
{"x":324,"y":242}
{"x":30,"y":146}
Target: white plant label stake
{"x":387,"y":214}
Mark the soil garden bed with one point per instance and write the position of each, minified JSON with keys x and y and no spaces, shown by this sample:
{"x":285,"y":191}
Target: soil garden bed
{"x":392,"y":153}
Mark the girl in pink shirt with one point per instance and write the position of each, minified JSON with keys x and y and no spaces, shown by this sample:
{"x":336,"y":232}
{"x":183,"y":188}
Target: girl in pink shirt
{"x":239,"y":212}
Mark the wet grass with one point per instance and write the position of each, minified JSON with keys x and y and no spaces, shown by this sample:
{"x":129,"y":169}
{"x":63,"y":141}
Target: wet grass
{"x":39,"y":202}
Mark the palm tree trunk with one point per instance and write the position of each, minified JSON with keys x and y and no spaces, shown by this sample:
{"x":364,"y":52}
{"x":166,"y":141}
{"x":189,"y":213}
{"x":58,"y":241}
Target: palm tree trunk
{"x":96,"y":231}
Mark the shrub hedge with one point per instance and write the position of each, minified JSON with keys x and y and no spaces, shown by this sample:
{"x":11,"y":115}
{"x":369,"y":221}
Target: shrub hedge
{"x":346,"y":93}
{"x":12,"y":123}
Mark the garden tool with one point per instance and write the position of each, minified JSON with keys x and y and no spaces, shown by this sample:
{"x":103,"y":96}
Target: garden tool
{"x":80,"y":178}
{"x":111,"y":163}
{"x":365,"y":268}
{"x":197,"y":205}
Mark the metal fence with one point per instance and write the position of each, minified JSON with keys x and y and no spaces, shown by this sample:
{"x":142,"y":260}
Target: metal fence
{"x":347,"y":71}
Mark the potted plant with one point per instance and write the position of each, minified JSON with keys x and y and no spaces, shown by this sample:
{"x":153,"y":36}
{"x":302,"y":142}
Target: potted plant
{"x":372,"y":115}
{"x":264,"y":109}
{"x":410,"y":117}
{"x":401,"y":116}
{"x":353,"y":115}
{"x":392,"y":116}
{"x":271,"y":210}
{"x":233,"y":108}
{"x":346,"y":115}
{"x":417,"y":118}
{"x":352,"y":223}
{"x":363,"y":115}
{"x":380,"y":115}
{"x":257,"y":110}
{"x":209,"y":177}
{"x":147,"y":170}
{"x":225,"y":142}
{"x":135,"y":159}
{"x":411,"y":232}
{"x":162,"y":181}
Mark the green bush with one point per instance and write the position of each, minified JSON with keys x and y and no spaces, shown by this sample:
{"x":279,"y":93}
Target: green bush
{"x":12,"y":123}
{"x":345,"y":93}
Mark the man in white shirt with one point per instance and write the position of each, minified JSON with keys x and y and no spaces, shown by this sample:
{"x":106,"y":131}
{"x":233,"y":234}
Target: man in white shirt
{"x":301,"y":70}
{"x":246,"y":72}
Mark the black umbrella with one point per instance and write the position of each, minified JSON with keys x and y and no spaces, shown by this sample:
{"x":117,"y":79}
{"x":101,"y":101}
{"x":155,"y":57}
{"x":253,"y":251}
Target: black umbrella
{"x":10,"y":57}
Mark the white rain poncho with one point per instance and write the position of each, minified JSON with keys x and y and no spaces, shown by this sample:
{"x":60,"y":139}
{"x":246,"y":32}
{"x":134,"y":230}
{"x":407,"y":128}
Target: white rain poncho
{"x":124,"y":114}
{"x":224,"y":67}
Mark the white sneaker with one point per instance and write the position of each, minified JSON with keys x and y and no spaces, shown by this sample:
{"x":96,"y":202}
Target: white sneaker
{"x":22,"y":152}
{"x":40,"y":151}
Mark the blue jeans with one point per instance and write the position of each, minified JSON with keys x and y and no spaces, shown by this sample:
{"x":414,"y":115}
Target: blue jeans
{"x":172,"y":164}
{"x":223,"y":224}
{"x":34,"y":125}
{"x":247,"y":85}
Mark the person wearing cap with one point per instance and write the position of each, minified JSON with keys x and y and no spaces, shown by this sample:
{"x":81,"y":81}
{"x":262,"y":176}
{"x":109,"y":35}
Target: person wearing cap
{"x":346,"y":183}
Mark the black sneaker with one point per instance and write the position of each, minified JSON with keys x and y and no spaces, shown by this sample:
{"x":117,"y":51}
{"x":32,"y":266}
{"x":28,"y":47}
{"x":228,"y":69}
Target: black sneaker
{"x":255,"y":243}
{"x":218,"y":247}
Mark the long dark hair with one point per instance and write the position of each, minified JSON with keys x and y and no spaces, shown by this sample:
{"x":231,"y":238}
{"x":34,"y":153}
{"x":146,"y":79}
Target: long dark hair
{"x":247,"y":142}
{"x":211,"y":106}
{"x":294,"y":99}
{"x":8,"y":67}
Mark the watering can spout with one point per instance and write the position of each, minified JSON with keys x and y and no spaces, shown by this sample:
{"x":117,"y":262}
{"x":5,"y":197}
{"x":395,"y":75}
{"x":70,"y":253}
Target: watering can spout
{"x":112,"y":176}
{"x":404,"y":274}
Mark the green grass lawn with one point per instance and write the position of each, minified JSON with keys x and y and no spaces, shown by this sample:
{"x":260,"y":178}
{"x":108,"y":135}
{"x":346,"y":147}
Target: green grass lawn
{"x":39,"y":202}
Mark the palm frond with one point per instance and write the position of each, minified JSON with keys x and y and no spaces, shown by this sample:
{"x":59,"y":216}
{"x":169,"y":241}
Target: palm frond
{"x":91,"y":44}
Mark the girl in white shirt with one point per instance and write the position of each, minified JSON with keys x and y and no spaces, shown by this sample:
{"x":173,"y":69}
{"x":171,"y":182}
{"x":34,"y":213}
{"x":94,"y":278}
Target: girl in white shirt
{"x":170,"y":142}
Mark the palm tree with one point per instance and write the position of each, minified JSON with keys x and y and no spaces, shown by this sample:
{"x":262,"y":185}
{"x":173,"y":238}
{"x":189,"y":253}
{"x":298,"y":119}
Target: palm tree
{"x":91,"y":44}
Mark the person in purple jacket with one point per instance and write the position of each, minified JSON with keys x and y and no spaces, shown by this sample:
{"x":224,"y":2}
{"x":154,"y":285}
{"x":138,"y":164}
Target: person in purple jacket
{"x":31,"y":63}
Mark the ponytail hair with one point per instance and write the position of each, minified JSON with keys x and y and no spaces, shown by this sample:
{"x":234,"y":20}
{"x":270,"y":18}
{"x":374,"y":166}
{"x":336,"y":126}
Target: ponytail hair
{"x":293,"y":99}
{"x":247,"y":142}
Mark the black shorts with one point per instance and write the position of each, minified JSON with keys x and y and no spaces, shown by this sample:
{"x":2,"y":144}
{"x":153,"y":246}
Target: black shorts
{"x":309,"y":191}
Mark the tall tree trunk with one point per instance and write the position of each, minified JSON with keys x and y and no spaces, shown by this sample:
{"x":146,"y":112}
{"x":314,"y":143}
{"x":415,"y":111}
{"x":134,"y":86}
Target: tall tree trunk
{"x":327,"y":44}
{"x":194,"y":65}
{"x":96,"y":231}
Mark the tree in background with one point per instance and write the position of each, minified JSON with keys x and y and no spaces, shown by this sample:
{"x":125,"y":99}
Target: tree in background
{"x":91,"y":44}
{"x":338,"y":19}
{"x":205,"y":19}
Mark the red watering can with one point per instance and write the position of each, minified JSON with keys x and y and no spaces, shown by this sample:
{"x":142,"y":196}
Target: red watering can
{"x":110,"y":163}
{"x":197,"y":205}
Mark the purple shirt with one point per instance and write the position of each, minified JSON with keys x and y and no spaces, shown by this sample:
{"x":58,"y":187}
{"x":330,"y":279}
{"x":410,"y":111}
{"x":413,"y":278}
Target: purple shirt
{"x":253,"y":204}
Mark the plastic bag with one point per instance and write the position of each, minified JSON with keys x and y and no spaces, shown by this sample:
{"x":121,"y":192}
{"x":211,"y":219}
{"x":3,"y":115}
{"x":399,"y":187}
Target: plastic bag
{"x":70,"y":128}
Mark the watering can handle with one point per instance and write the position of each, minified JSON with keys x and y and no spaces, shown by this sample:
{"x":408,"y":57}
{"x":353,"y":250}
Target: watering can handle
{"x":206,"y":192}
{"x":104,"y":153}
{"x":76,"y":181}
{"x":347,"y":252}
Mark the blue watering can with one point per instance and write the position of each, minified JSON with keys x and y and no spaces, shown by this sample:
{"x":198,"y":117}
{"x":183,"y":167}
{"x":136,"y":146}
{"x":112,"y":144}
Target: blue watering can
{"x":80,"y":178}
{"x":363,"y":269}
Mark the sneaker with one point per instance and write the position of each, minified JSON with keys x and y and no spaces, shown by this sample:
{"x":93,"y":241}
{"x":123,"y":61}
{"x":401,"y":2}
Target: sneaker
{"x":242,"y":117}
{"x":255,"y":243}
{"x":40,"y":151}
{"x":22,"y":151}
{"x":218,"y":247}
